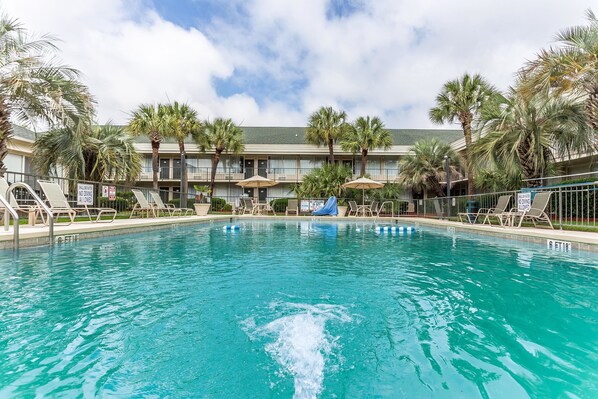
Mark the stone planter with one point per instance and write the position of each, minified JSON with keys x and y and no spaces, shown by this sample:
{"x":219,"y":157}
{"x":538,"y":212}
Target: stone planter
{"x":201,"y":209}
{"x":342,"y":211}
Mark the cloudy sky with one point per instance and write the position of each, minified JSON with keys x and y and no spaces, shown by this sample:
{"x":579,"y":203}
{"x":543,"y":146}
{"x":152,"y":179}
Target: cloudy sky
{"x":273,"y":62}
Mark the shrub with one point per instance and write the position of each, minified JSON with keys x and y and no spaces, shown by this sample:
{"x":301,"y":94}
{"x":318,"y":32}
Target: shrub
{"x":279,"y":204}
{"x":219,"y":204}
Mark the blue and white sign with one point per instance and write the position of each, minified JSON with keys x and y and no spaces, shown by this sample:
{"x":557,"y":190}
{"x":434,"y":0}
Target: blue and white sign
{"x":524,"y":201}
{"x":84,"y":194}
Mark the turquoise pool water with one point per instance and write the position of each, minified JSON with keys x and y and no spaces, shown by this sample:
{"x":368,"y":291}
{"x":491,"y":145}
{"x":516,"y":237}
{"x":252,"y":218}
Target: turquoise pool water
{"x":298,"y":310}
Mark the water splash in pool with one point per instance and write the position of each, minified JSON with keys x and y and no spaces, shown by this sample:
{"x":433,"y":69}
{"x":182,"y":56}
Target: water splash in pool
{"x":300,"y":343}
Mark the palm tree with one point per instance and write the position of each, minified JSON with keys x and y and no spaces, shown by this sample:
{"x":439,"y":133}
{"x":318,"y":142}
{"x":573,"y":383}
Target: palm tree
{"x":463,"y":99}
{"x":424,"y":167}
{"x":324,"y":182}
{"x":113,"y":155}
{"x":526,"y":134}
{"x":222,"y":135}
{"x":326,"y":126}
{"x":571,"y":68}
{"x":149,"y":120}
{"x":97,"y":153}
{"x":181,"y":121}
{"x":33,"y":87}
{"x":364,"y":135}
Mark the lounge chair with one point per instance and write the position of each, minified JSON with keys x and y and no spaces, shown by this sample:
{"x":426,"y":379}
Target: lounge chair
{"x":292,"y":207}
{"x":353,"y":208}
{"x":142,"y":206}
{"x":488,"y":213}
{"x":159,"y":205}
{"x":59,"y":205}
{"x":537,"y":211}
{"x":12,"y":200}
{"x":246,"y":205}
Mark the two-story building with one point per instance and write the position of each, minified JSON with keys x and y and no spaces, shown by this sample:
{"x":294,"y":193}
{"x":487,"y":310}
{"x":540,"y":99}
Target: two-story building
{"x":278,"y":153}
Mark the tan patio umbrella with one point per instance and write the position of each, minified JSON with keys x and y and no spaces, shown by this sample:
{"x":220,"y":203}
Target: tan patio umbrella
{"x":257,"y":181}
{"x":363,"y":183}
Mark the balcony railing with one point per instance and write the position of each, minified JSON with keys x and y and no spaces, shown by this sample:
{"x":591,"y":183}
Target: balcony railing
{"x":291,"y":175}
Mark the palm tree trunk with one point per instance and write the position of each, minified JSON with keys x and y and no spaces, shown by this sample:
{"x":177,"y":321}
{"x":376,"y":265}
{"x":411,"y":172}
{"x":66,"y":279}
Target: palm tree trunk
{"x":155,"y":152}
{"x":184,"y":180}
{"x":364,"y":158}
{"x":466,"y":119}
{"x":215,"y":161}
{"x":592,"y":109}
{"x":331,"y":151}
{"x":436,"y":187}
{"x":5,"y":133}
{"x":527,"y":164}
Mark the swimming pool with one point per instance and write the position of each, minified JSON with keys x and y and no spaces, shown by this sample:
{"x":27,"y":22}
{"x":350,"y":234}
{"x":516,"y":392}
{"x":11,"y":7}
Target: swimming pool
{"x":300,"y":309}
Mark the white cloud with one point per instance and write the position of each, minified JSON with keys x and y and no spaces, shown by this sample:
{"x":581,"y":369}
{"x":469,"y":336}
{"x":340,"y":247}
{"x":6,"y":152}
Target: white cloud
{"x":388,"y":59}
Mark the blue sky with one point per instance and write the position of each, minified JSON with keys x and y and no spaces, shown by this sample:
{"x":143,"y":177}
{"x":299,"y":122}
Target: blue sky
{"x":273,"y":62}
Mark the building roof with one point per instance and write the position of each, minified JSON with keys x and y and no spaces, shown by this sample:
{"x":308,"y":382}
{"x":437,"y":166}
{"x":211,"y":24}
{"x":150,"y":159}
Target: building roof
{"x":23,"y":132}
{"x":296,"y":135}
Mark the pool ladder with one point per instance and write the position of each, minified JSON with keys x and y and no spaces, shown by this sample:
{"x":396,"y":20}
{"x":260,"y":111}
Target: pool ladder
{"x":4,"y":200}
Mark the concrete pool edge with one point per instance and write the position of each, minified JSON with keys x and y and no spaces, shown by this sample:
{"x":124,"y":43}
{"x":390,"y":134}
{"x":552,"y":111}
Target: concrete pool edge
{"x":38,"y":236}
{"x":580,"y":240}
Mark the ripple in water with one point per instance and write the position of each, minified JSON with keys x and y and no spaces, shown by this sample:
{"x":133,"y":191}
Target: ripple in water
{"x":299,"y":341}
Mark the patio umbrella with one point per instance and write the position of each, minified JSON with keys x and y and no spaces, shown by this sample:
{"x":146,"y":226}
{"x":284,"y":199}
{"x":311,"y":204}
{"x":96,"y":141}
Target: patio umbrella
{"x":257,"y":182}
{"x":363,"y":183}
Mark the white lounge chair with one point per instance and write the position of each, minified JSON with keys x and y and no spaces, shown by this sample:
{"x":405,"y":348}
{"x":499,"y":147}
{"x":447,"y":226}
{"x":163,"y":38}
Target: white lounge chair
{"x":59,"y":205}
{"x":4,"y":186}
{"x":353,"y":208}
{"x":537,"y":212}
{"x":159,"y":205}
{"x":292,"y":207}
{"x":487,"y":213}
{"x":246,"y":206}
{"x":142,"y":206}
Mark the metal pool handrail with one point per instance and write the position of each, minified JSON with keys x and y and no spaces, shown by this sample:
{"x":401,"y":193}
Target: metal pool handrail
{"x":39,"y":202}
{"x":15,"y":217}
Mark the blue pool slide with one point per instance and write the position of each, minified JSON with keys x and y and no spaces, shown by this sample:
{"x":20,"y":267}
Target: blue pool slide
{"x":329,"y":208}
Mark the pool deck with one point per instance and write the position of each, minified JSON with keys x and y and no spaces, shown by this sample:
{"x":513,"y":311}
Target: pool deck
{"x":38,"y":235}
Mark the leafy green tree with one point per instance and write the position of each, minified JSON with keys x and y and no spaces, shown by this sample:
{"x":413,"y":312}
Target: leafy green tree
{"x":493,"y":179}
{"x":364,"y":135}
{"x":525,"y":134}
{"x":221,"y":135}
{"x":325,"y":127}
{"x":181,"y":122}
{"x":324,"y":182}
{"x":462,"y":100}
{"x":97,"y":153}
{"x":33,"y":86}
{"x":424,"y":167}
{"x":149,"y":120}
{"x":570,"y":68}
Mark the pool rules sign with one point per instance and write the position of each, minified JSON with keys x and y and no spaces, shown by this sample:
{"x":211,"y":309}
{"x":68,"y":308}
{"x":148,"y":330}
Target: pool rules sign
{"x":84,"y":194}
{"x":524,"y":201}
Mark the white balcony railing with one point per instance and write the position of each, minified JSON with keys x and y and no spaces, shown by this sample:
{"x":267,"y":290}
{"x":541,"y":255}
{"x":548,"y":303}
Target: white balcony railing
{"x":291,"y":175}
